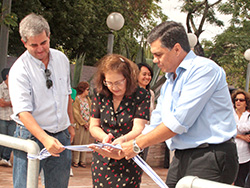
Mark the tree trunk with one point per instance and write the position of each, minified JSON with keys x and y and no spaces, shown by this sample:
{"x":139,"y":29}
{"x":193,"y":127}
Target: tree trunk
{"x":4,"y":37}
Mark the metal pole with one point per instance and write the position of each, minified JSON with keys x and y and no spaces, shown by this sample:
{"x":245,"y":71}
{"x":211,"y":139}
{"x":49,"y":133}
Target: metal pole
{"x":4,"y":36}
{"x":29,"y":146}
{"x":110,"y":43}
{"x":195,"y":182}
{"x":247,"y":77}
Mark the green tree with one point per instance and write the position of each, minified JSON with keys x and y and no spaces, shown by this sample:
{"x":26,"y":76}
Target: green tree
{"x":228,"y":51}
{"x":229,"y":47}
{"x":79,"y":26}
{"x":9,"y":19}
{"x":204,"y":12}
{"x":239,"y":9}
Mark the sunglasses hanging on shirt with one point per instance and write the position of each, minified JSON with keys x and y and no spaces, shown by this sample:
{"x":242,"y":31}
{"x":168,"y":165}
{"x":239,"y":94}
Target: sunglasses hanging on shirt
{"x":49,"y":82}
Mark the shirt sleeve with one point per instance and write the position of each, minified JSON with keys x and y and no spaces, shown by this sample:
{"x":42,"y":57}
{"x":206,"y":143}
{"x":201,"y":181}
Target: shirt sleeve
{"x":1,"y":90}
{"x":20,"y":91}
{"x":191,"y":97}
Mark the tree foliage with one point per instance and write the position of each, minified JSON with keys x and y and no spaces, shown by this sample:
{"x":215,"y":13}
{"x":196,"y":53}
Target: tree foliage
{"x":79,"y":26}
{"x":198,"y":13}
{"x":9,"y":19}
{"x":239,"y":9}
{"x":229,"y":47}
{"x":228,"y":51}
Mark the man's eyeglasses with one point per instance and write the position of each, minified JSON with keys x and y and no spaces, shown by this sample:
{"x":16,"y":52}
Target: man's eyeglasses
{"x":241,"y":100}
{"x":117,"y":83}
{"x":49,"y":82}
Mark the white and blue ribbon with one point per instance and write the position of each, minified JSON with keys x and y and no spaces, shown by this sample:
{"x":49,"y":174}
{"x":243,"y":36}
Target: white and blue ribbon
{"x":137,"y":159}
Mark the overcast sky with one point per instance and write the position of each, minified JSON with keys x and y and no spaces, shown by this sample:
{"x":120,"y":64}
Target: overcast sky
{"x":172,"y":9}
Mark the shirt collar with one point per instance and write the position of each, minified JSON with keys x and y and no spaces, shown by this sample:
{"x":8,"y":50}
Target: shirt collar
{"x":37,"y":61}
{"x":186,"y":62}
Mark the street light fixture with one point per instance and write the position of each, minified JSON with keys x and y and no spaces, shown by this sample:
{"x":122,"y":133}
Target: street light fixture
{"x":247,"y":56}
{"x":192,"y":39}
{"x":115,"y":22}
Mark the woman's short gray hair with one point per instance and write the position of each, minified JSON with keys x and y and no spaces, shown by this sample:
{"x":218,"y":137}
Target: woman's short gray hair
{"x":32,"y":25}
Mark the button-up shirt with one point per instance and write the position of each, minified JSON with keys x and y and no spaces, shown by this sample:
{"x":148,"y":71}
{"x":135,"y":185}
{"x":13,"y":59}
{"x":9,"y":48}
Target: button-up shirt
{"x":28,"y":90}
{"x":5,"y":112}
{"x":196,"y":105}
{"x":243,"y":126}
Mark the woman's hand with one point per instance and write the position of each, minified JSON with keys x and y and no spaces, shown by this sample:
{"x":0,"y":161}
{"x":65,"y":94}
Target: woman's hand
{"x":108,"y":138}
{"x":107,"y":152}
{"x":119,"y":140}
{"x":246,"y":137}
{"x":86,"y":126}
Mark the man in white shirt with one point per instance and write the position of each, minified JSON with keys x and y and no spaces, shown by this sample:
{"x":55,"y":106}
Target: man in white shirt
{"x":39,"y":84}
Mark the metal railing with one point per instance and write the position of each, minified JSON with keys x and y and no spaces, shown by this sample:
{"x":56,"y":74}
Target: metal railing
{"x":195,"y":182}
{"x":30,"y":147}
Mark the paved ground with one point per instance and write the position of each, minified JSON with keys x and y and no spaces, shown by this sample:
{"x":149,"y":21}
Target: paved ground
{"x":81,"y":178}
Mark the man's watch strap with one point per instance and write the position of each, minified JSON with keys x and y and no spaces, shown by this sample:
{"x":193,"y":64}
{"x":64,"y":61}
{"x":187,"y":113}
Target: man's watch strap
{"x":136,"y":148}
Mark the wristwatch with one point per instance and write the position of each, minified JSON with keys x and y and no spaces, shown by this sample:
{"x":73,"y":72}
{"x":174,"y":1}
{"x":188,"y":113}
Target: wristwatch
{"x":136,"y":148}
{"x":73,"y":124}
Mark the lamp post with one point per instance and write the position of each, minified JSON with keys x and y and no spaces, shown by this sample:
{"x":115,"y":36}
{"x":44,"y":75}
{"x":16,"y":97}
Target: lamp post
{"x":247,"y":56}
{"x":192,"y":39}
{"x":115,"y":22}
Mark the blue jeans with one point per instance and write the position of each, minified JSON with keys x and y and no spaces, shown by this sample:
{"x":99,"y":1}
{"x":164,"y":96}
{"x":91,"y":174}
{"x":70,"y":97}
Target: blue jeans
{"x":56,"y":169}
{"x":7,"y":128}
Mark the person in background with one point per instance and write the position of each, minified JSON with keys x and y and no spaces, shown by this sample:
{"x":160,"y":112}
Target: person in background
{"x":7,"y":125}
{"x":39,"y":85}
{"x":241,"y":103}
{"x":73,"y":94}
{"x":81,"y":112}
{"x":73,"y":97}
{"x":120,"y":110}
{"x":194,"y":113}
{"x":144,"y":78}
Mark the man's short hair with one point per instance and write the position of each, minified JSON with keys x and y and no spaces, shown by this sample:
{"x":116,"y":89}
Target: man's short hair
{"x":32,"y":25}
{"x":170,"y":33}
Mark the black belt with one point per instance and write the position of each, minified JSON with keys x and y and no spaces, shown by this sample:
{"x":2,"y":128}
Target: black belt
{"x":205,"y":145}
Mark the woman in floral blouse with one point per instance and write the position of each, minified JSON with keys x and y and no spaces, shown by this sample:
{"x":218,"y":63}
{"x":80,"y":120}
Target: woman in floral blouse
{"x":120,"y":110}
{"x":81,"y":112}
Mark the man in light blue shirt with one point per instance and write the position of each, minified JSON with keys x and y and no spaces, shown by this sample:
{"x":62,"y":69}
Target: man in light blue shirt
{"x":194,"y":113}
{"x":40,"y":91}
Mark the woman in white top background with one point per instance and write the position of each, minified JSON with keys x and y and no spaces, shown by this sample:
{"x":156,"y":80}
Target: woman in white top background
{"x":241,"y":102}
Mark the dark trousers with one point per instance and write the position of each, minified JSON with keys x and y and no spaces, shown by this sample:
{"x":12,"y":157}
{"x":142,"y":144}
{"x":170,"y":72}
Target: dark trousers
{"x":244,"y":170}
{"x":166,"y":158}
{"x":216,"y":162}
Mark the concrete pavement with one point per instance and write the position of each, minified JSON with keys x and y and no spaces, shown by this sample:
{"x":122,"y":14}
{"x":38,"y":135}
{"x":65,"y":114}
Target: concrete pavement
{"x":81,"y":178}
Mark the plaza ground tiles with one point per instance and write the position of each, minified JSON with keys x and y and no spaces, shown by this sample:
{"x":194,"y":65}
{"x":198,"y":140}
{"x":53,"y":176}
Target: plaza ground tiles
{"x":81,"y":178}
